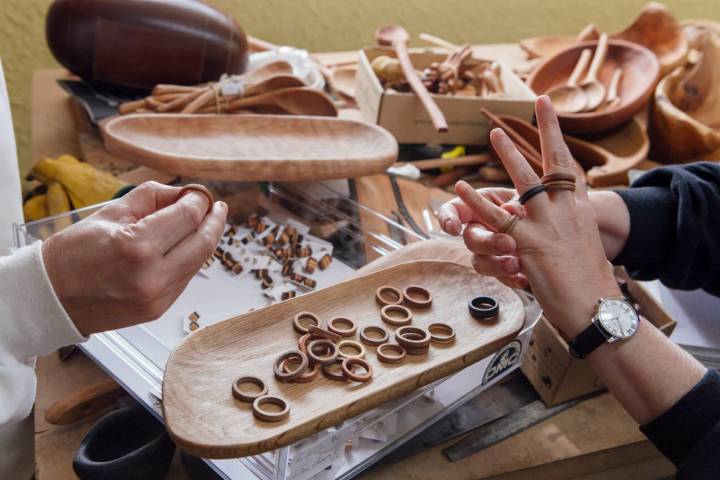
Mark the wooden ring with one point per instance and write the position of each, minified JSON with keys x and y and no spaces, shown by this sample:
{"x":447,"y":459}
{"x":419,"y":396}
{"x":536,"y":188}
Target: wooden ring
{"x":343,"y":332}
{"x":509,"y":224}
{"x":368,"y":340}
{"x":322,"y":333}
{"x":412,"y":337}
{"x":196,"y":187}
{"x":266,"y":415}
{"x":555,"y":177}
{"x":303,"y":341}
{"x":280,"y":372}
{"x":441,"y":333}
{"x":387,"y":318}
{"x":387,"y":295}
{"x":383,"y":353}
{"x":484,"y":308}
{"x":352,"y":344}
{"x":349,"y":371}
{"x":299,"y":327}
{"x":329,"y":355}
{"x":418,"y":351}
{"x":411,"y":296}
{"x":560,"y":185}
{"x":309,"y":374}
{"x":245,"y":396}
{"x":328,"y":373}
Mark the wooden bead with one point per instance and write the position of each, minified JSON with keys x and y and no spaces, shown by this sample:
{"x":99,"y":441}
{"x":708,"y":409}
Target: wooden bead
{"x":322,"y":333}
{"x":405,"y":315}
{"x":441,"y":333}
{"x":287,"y":295}
{"x":310,"y":265}
{"x":285,"y":376}
{"x":348,"y":366}
{"x":237,"y":268}
{"x":322,"y":351}
{"x":325,"y":262}
{"x":331,"y":371}
{"x":367,"y":339}
{"x":307,"y":317}
{"x":352,"y":345}
{"x":412,"y":337}
{"x":417,"y":297}
{"x":268,"y":416}
{"x":387,"y":295}
{"x":245,"y":396}
{"x":391,"y":353}
{"x":336,"y":326}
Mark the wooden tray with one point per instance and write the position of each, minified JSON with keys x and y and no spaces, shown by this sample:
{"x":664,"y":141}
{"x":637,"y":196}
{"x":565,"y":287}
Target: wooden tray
{"x":252,"y":147}
{"x":204,"y":419}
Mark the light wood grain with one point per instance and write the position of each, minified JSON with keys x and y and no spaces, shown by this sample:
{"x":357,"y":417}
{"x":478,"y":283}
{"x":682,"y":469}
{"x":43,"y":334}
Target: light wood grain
{"x":203,"y":417}
{"x":252,"y":147}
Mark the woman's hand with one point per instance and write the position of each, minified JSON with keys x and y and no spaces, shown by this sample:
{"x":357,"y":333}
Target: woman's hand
{"x":129,"y":261}
{"x":557,"y":243}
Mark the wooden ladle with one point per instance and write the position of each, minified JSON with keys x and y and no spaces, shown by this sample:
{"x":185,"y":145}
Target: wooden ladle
{"x":593,"y":88}
{"x":397,"y":37}
{"x":295,"y":101}
{"x":570,"y":97}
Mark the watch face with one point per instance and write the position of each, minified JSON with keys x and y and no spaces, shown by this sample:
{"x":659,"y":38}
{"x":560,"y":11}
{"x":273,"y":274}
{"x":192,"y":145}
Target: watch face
{"x":618,"y":318}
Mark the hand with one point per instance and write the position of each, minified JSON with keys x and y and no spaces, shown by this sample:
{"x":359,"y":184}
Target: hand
{"x":128,"y":262}
{"x":557,"y":241}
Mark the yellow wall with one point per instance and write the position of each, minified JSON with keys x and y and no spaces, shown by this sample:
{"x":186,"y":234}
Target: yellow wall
{"x":337,"y":25}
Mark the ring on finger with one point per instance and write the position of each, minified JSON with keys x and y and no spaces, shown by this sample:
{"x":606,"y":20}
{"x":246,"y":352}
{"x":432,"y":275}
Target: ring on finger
{"x":509,"y":224}
{"x":560,"y":185}
{"x":558,"y":177}
{"x":531,"y":192}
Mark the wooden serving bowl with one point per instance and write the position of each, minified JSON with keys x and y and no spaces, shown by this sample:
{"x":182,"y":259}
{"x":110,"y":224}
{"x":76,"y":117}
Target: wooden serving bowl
{"x":641,"y":71}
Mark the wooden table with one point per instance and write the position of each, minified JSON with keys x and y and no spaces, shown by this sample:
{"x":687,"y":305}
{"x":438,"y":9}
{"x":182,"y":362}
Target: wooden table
{"x":593,"y":440}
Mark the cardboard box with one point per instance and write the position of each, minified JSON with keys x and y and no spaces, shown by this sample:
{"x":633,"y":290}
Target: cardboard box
{"x":403,"y":115}
{"x":559,"y":377}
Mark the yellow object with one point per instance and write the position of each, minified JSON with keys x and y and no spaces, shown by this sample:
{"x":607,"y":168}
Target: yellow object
{"x":57,"y":199}
{"x":67,"y":159}
{"x":35,"y":208}
{"x":458,"y":151}
{"x":387,"y":68}
{"x":84,"y":184}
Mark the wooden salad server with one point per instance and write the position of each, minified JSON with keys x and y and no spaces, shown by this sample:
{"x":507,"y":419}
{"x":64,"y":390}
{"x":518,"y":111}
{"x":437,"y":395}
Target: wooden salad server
{"x":570,"y":97}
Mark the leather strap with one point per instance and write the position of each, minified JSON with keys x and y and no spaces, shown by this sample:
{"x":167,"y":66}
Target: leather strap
{"x":587,"y":341}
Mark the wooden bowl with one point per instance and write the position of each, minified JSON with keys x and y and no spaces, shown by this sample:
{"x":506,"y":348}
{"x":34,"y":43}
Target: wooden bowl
{"x":641,"y":71}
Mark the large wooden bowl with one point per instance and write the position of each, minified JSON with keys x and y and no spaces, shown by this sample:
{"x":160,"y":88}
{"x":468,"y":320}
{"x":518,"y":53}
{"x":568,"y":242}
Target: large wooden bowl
{"x":641,"y":71}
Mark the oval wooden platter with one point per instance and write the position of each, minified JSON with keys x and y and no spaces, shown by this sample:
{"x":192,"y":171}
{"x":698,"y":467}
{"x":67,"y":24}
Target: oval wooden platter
{"x":252,"y":147}
{"x":204,"y":419}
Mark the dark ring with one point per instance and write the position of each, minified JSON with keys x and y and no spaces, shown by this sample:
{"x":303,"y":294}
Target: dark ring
{"x":531,"y":192}
{"x":483,"y":307}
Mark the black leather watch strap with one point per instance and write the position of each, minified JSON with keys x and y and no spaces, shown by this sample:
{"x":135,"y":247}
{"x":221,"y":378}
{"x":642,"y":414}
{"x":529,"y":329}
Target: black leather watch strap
{"x":587,"y":341}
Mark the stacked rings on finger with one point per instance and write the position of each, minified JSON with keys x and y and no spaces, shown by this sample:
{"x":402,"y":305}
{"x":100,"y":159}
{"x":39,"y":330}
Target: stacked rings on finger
{"x":559,"y":181}
{"x":509,"y":224}
{"x":531,"y":192}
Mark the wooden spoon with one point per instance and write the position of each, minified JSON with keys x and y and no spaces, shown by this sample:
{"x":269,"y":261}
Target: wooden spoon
{"x":252,"y":147}
{"x":272,"y":83}
{"x":268,"y":70}
{"x":397,"y":37}
{"x":343,"y":81}
{"x":593,"y":88}
{"x":295,"y":101}
{"x":613,"y":98}
{"x":570,"y":97}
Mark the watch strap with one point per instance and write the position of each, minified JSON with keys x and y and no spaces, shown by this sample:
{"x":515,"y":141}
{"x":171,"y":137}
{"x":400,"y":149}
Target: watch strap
{"x":587,"y":341}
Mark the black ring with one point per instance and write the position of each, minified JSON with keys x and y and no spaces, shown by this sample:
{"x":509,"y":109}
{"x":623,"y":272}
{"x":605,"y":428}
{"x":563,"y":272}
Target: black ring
{"x":483,"y":307}
{"x":531,"y":192}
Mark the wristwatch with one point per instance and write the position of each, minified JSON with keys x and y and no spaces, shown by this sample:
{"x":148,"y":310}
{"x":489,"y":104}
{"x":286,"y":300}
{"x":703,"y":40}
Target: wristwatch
{"x":615,"y":319}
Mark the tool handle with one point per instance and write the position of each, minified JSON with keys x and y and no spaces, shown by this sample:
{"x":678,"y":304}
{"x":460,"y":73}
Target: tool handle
{"x":614,"y":84}
{"x":580,"y":67}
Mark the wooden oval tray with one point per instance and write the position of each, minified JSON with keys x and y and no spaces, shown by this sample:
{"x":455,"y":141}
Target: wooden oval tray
{"x":252,"y":147}
{"x":204,"y":419}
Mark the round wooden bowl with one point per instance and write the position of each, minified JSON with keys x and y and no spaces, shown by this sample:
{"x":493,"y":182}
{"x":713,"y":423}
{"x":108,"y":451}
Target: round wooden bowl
{"x":641,"y":71}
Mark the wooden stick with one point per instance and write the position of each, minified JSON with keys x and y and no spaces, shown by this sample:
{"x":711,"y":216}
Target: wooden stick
{"x":180,"y":102}
{"x":534,"y":155}
{"x":462,"y":161}
{"x":129,"y":107}
{"x":437,"y":41}
{"x":163,"y":88}
{"x":199,"y":102}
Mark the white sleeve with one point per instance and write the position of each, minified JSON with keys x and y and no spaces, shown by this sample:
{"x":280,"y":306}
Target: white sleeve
{"x":32,"y":322}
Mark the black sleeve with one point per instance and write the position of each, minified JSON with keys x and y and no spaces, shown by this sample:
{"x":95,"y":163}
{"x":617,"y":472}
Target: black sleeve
{"x":675,"y":227}
{"x":689,"y":433}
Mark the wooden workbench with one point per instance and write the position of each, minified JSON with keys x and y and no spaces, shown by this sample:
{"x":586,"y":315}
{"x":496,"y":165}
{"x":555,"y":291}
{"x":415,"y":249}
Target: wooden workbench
{"x":593,"y":440}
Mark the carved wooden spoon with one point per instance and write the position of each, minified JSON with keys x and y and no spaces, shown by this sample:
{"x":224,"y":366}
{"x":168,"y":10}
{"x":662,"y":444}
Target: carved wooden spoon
{"x":397,"y":37}
{"x":296,"y":101}
{"x":594,"y":90}
{"x":570,"y":98}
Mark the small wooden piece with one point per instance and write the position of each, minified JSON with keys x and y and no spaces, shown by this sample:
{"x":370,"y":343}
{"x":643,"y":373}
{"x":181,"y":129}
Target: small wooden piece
{"x":322,"y":352}
{"x":310,"y":373}
{"x":412,"y":337}
{"x":336,"y":326}
{"x":300,"y":322}
{"x":322,"y":333}
{"x":285,"y":375}
{"x":353,"y":345}
{"x":348,"y":366}
{"x":391,"y":353}
{"x":334,"y":371}
{"x":367,"y":337}
{"x":416,"y":296}
{"x":441,"y":333}
{"x":244,"y":395}
{"x":269,"y":416}
{"x":387,"y":295}
{"x":570,"y":97}
{"x":484,"y":307}
{"x":404,"y":318}
{"x":594,"y":90}
{"x":397,"y":37}
{"x":262,"y":147}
